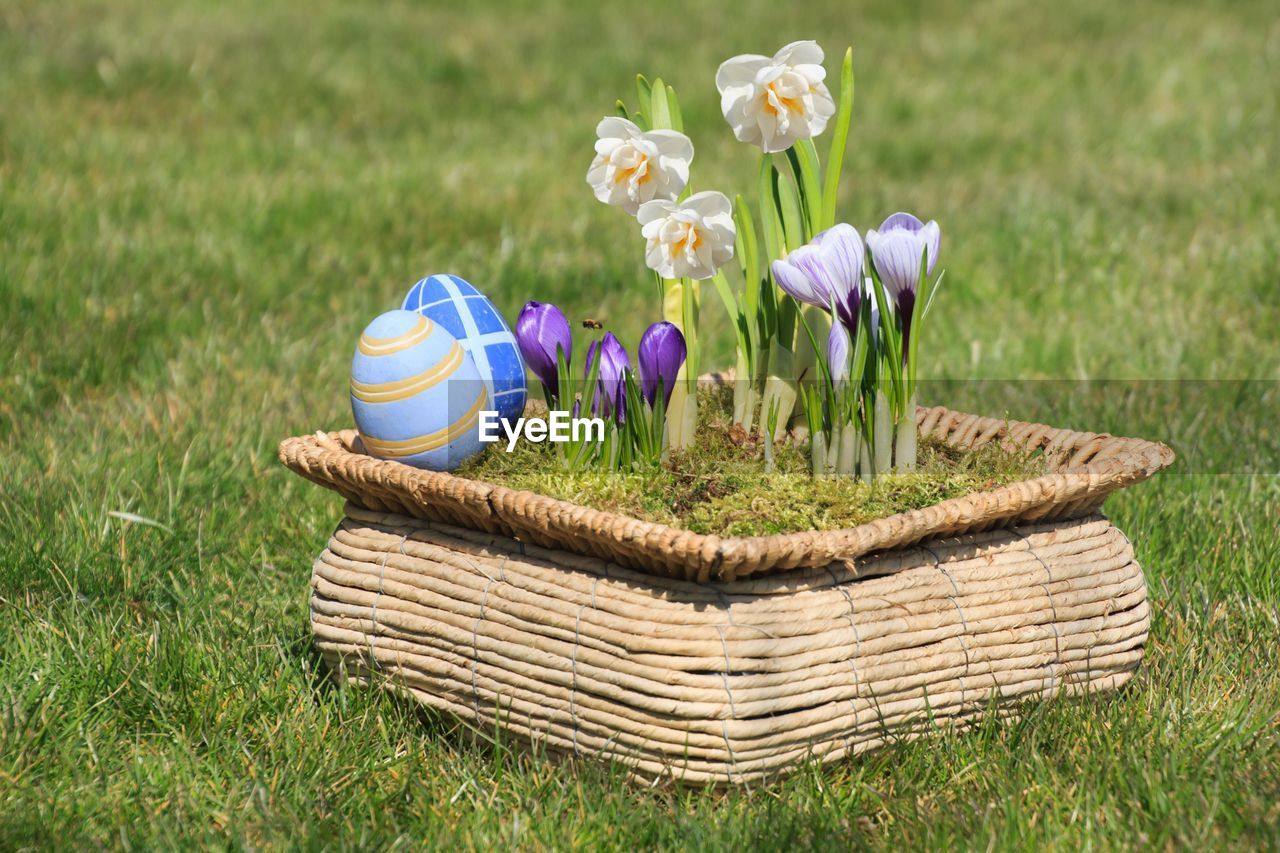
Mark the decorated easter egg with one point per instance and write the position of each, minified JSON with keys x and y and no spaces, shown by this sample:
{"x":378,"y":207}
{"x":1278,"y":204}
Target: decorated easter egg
{"x":416,"y":393}
{"x":469,"y":316}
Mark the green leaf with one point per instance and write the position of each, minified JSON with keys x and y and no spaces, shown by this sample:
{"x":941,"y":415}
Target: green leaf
{"x":839,"y":139}
{"x":748,"y":249}
{"x":693,"y":360}
{"x":643,"y":90}
{"x":636,"y":427}
{"x":917,"y":312}
{"x":592,"y":388}
{"x":770,"y":219}
{"x":606,"y":458}
{"x":811,"y":400}
{"x":933,"y":291}
{"x":731,"y":306}
{"x":804,"y":161}
{"x":793,"y":161}
{"x":858,"y":356}
{"x":891,"y":357}
{"x":585,"y":453}
{"x":621,"y":109}
{"x":788,"y":308}
{"x":660,"y":110}
{"x":673,"y":105}
{"x":736,"y":314}
{"x":658,"y":417}
{"x":789,"y":206}
{"x":566,"y":379}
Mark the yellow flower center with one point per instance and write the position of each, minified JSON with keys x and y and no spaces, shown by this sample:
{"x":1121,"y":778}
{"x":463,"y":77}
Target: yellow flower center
{"x":691,"y":240}
{"x":784,"y":94}
{"x":629,"y":163}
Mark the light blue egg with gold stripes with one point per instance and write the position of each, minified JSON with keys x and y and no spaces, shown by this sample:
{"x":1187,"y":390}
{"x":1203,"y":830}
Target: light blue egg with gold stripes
{"x":416,"y":393}
{"x":475,"y":321}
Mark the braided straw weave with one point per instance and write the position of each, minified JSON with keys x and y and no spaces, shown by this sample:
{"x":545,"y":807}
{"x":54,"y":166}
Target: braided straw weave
{"x":726,"y":683}
{"x":729,"y":661}
{"x":1085,"y":467}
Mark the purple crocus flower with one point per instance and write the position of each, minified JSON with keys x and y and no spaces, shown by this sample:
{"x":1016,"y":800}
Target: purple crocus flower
{"x":661,"y":354}
{"x":542,"y":330}
{"x":897,"y":247}
{"x":611,"y":385}
{"x":826,"y":270}
{"x":838,"y":352}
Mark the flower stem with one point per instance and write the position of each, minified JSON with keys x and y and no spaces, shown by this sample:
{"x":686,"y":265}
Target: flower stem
{"x":693,"y":360}
{"x":831,"y":466}
{"x":848,"y":451}
{"x":679,"y":306}
{"x":882,"y":434}
{"x":906,"y":440}
{"x":817,"y":454}
{"x":742,"y":391}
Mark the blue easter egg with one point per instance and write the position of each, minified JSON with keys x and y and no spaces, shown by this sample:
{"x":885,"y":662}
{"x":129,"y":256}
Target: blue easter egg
{"x":416,"y":393}
{"x":470,"y":317}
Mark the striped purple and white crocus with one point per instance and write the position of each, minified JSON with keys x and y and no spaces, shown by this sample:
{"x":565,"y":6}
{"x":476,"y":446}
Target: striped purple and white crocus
{"x":827,"y":272}
{"x":897,"y":248}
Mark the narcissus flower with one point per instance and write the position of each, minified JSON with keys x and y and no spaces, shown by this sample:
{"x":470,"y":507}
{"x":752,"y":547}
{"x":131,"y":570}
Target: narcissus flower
{"x":688,"y":239}
{"x":661,"y":354}
{"x":773,"y":101}
{"x":542,"y":331}
{"x":611,"y":394}
{"x":826,"y":271}
{"x":633,"y":166}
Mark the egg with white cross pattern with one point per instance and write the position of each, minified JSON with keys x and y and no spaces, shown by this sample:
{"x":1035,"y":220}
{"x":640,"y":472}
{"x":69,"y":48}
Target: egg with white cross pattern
{"x":472,"y":318}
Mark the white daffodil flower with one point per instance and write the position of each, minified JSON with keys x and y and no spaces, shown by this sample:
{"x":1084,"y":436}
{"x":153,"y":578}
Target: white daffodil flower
{"x":632,"y":166}
{"x":773,"y":101}
{"x":688,"y":239}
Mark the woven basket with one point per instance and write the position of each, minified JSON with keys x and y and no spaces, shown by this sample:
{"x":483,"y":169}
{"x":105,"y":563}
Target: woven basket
{"x":730,"y":660}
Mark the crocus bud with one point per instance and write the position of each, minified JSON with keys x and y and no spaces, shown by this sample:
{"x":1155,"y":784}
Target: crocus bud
{"x":661,"y":354}
{"x":542,"y":330}
{"x":897,"y":247}
{"x":610,"y":382}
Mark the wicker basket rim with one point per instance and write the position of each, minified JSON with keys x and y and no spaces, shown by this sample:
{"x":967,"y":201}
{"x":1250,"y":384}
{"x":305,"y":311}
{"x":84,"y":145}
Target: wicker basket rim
{"x":1085,"y":468}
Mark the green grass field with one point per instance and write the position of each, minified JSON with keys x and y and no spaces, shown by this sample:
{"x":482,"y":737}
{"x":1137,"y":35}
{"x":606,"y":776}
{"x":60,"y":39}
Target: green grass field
{"x":201,"y":204}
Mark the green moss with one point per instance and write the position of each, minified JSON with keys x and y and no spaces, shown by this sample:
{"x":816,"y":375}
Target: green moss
{"x":721,"y":486}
